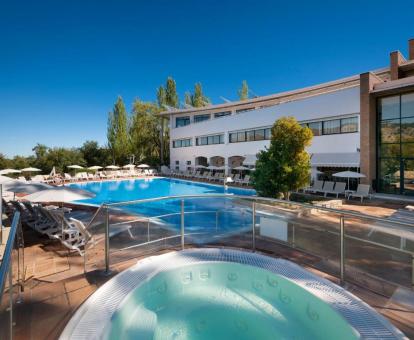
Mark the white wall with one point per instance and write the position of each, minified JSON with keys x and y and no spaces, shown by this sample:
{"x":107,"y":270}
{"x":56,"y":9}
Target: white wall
{"x":329,"y":105}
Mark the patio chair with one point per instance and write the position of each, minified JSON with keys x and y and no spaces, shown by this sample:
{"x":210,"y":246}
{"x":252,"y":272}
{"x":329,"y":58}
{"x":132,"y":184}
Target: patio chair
{"x":337,"y":190}
{"x":246,"y":180}
{"x":316,"y":187}
{"x":328,"y":187}
{"x":363,"y":191}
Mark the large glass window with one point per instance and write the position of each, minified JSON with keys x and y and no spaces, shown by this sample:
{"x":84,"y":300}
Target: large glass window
{"x":349,"y":125}
{"x":396,"y":144}
{"x":222,"y":114}
{"x":331,"y":127}
{"x":316,"y":128}
{"x":208,"y":140}
{"x":389,"y":107}
{"x":250,"y":135}
{"x":181,"y":143}
{"x":182,"y":121}
{"x":201,"y":118}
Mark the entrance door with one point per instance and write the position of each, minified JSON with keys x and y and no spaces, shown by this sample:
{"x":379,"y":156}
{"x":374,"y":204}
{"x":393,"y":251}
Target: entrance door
{"x":407,"y":178}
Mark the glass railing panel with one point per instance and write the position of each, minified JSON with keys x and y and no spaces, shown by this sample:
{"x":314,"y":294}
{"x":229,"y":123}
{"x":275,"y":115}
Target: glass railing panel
{"x":378,"y":252}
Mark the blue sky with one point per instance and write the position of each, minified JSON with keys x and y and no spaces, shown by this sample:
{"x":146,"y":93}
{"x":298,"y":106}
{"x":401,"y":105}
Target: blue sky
{"x":63,"y":63}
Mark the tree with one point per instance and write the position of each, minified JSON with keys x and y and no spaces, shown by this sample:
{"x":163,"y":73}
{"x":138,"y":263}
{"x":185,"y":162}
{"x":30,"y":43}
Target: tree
{"x":197,"y":99}
{"x":243,"y":92}
{"x":285,"y":165}
{"x":117,"y":134}
{"x":171,"y":97}
{"x":93,"y":154}
{"x":145,"y":132}
{"x":161,"y":99}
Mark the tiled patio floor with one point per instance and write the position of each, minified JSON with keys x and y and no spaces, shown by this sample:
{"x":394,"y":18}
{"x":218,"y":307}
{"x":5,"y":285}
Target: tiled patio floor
{"x":56,"y":285}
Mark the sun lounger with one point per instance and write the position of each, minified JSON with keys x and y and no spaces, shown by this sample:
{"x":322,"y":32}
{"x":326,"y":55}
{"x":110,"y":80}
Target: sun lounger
{"x":339,"y":189}
{"x":246,"y":180}
{"x":316,"y":187}
{"x":328,"y":187}
{"x":363,"y":191}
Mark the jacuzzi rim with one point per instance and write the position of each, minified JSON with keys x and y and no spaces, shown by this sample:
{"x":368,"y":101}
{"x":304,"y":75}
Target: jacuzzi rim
{"x":92,"y":317}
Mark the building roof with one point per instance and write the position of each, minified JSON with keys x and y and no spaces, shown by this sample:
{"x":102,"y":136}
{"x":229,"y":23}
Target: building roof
{"x":282,"y":97}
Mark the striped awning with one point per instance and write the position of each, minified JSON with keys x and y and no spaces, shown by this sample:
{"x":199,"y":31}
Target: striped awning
{"x":340,"y":160}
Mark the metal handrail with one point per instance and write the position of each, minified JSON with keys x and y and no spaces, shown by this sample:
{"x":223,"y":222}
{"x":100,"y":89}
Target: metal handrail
{"x":5,"y":263}
{"x":265,"y":199}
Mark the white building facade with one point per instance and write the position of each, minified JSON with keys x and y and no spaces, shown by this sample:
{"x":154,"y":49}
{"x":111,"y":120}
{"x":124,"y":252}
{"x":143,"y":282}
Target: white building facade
{"x":224,"y":135}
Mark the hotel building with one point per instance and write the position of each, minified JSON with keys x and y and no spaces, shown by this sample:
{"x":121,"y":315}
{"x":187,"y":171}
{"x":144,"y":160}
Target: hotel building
{"x":361,"y":122}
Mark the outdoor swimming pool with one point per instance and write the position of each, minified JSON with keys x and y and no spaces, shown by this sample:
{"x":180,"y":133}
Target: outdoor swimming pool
{"x":202,"y":214}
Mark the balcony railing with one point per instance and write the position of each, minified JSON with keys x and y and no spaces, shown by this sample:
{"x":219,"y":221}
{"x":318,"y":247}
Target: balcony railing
{"x":364,"y":249}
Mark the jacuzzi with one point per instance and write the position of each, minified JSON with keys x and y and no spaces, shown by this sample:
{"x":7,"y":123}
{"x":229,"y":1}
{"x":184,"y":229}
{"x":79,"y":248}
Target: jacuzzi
{"x":223,"y":294}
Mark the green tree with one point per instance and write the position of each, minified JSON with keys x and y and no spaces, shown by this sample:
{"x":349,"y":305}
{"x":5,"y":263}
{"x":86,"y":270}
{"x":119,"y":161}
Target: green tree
{"x":161,"y":99}
{"x":117,"y":133}
{"x":243,"y":92}
{"x":94,"y":154}
{"x":145,"y":133}
{"x":197,"y":99}
{"x":171,"y":96}
{"x":4,"y":162}
{"x":285,"y":165}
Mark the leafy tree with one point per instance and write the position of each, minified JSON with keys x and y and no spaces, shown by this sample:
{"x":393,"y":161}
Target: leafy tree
{"x":117,"y":134}
{"x":171,"y":97}
{"x":285,"y":165}
{"x":243,"y":92}
{"x":93,"y":154}
{"x":4,"y":162}
{"x":161,"y":99}
{"x":145,"y":132}
{"x":197,"y":99}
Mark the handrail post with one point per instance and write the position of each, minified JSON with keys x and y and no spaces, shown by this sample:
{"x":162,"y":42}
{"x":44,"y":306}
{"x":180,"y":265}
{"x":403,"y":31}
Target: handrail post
{"x":253,"y":226}
{"x":412,"y":271}
{"x":342,"y":250}
{"x":182,"y":225}
{"x":11,"y":299}
{"x":107,"y":271}
{"x":148,"y":229}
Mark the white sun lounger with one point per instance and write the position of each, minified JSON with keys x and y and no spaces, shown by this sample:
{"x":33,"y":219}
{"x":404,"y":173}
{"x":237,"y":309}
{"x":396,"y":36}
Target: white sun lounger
{"x":363,"y":191}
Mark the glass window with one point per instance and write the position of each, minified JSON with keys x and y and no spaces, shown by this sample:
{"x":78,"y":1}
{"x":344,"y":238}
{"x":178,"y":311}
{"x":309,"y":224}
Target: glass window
{"x":244,"y":110}
{"x":390,"y":175}
{"x":407,"y":105}
{"x":316,"y":128}
{"x":208,"y":140}
{"x":182,"y":121}
{"x":259,"y":134}
{"x":407,"y":150}
{"x":177,"y":162}
{"x":407,"y":130}
{"x":331,"y":127}
{"x":268,"y":134}
{"x":390,"y":150}
{"x":233,"y":137}
{"x":241,"y":136}
{"x":390,"y":131}
{"x":389,"y":107}
{"x":250,"y":136}
{"x":349,"y":125}
{"x":201,"y":118}
{"x":222,"y":114}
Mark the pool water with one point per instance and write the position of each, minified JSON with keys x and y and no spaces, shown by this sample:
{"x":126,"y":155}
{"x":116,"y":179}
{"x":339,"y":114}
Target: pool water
{"x":224,"y":300}
{"x":203,"y":215}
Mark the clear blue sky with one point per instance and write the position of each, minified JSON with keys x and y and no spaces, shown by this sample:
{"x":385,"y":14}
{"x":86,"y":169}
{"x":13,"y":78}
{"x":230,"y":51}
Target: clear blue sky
{"x":63,"y":63}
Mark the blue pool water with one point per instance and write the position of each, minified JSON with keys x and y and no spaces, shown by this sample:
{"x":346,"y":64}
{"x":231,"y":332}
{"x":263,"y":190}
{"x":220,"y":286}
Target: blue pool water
{"x":202,"y":214}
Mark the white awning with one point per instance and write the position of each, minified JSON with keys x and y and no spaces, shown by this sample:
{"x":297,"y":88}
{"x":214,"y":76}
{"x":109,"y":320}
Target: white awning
{"x":340,"y":160}
{"x":250,"y":160}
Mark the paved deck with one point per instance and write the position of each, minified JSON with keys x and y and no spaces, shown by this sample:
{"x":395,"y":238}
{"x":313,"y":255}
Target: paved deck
{"x":56,"y":286}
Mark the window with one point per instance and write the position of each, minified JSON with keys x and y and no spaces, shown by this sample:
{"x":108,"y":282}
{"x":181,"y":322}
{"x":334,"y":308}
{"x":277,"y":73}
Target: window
{"x":349,"y":125}
{"x":250,"y":135}
{"x":182,"y":121}
{"x":222,"y":114}
{"x":177,"y":162}
{"x":201,"y":118}
{"x":209,"y":140}
{"x":188,"y":162}
{"x":316,"y":128}
{"x":407,"y":105}
{"x":331,"y":127}
{"x":245,"y":110}
{"x":389,"y":107}
{"x":182,"y":143}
